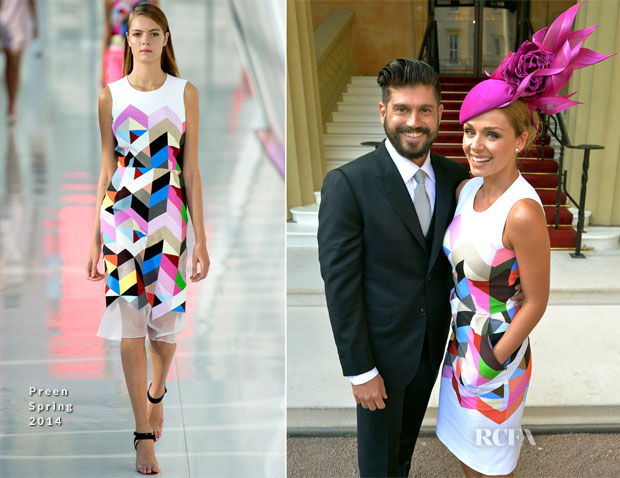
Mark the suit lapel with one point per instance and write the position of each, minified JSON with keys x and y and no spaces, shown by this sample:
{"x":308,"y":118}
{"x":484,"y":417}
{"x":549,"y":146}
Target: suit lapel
{"x":392,"y":186}
{"x":443,"y":200}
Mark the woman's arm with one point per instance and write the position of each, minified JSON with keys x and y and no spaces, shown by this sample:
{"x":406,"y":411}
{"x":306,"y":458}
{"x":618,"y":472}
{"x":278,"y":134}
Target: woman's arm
{"x":108,"y":166}
{"x":526,"y":234}
{"x":193,"y":184}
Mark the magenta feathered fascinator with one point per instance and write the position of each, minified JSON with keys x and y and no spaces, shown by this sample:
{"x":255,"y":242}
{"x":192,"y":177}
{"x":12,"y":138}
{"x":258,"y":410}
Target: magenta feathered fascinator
{"x":537,"y":71}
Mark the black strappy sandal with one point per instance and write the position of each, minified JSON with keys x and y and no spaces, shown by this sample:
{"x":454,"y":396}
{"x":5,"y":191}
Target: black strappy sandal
{"x":144,"y":436}
{"x":155,"y":400}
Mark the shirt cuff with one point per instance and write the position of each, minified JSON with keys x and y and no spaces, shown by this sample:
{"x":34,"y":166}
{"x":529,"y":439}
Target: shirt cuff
{"x":363,"y":378}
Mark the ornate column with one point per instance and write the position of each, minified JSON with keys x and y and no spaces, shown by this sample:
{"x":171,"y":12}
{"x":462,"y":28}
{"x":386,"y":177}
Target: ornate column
{"x":305,"y":156}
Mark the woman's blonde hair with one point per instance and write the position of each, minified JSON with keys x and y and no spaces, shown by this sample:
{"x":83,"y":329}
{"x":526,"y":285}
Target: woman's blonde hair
{"x":518,"y":114}
{"x":168,"y":60}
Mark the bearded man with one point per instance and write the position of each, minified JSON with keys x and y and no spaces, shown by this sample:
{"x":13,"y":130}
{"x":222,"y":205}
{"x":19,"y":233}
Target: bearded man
{"x":382,"y":221}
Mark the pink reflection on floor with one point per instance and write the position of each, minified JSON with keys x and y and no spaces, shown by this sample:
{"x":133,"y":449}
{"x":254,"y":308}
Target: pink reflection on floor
{"x":243,"y":91}
{"x":74,"y":324}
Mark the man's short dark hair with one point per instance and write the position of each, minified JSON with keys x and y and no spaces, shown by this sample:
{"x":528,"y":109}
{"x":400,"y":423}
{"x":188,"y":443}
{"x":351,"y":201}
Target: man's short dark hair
{"x":407,"y":72}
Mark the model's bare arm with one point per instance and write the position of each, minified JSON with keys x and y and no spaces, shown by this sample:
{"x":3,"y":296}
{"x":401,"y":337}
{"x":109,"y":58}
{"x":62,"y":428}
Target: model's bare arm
{"x":193,"y":183}
{"x":526,"y":233}
{"x":108,"y":166}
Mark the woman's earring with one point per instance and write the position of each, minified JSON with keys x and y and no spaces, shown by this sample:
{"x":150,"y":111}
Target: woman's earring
{"x":516,"y":150}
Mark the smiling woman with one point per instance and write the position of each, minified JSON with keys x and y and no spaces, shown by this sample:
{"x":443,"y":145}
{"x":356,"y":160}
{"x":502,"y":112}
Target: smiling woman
{"x":497,"y":240}
{"x":149,"y":180}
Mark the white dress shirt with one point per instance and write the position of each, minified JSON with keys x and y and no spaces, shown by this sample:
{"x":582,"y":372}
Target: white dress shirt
{"x":407,"y":170}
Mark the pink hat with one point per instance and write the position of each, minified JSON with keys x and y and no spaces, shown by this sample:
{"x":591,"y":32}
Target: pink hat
{"x":537,"y":71}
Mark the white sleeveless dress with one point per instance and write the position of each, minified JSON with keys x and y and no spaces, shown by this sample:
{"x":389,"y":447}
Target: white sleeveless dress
{"x":144,"y":214}
{"x":481,"y":401}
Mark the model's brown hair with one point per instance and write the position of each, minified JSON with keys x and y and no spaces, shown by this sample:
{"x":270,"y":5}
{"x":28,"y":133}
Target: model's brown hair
{"x":518,"y":114}
{"x":168,"y":60}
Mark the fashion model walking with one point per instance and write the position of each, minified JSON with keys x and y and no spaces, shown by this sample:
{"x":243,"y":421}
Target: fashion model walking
{"x":149,"y":181}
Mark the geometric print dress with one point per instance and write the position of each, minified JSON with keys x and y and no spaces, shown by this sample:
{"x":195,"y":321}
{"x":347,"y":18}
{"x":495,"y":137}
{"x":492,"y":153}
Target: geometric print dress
{"x":481,"y":400}
{"x":143,"y":216}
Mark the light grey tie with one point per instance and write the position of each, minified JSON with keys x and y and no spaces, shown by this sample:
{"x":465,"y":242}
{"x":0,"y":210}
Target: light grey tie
{"x":421,"y":201}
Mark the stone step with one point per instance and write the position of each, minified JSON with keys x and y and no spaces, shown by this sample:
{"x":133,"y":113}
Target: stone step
{"x":334,"y":139}
{"x":306,"y":215}
{"x":301,"y":235}
{"x":361,"y":128}
{"x":601,"y":238}
{"x":364,"y":81}
{"x":346,"y":107}
{"x":362,"y":99}
{"x":346,"y":153}
{"x":364,"y":90}
{"x":356,"y":117}
{"x":375,"y":91}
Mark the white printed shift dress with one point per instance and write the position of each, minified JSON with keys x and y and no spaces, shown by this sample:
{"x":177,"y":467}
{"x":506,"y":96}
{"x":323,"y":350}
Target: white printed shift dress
{"x":144,"y":214}
{"x":481,"y":401}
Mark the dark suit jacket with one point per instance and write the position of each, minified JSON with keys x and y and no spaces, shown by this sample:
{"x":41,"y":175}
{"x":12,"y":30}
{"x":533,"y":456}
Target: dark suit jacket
{"x":383,"y":285}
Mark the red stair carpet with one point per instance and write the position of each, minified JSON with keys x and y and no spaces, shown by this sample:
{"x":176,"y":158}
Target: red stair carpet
{"x":542,"y":174}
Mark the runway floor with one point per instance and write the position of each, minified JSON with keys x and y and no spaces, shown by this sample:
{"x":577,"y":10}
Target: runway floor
{"x":225,"y":403}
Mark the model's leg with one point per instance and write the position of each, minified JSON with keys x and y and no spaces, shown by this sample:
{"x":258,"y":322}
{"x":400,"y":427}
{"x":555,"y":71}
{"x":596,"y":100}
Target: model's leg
{"x":470,"y":472}
{"x":510,"y":475}
{"x":415,"y":402}
{"x":377,"y":436}
{"x":11,"y":73}
{"x":161,"y":354}
{"x":133,"y":357}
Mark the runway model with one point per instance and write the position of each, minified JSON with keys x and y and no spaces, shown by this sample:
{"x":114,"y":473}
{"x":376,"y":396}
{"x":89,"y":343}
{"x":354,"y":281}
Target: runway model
{"x":149,"y":182}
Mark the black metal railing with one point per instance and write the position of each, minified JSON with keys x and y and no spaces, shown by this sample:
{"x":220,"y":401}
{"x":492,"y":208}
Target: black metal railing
{"x":555,"y":126}
{"x":429,"y":51}
{"x":524,"y":25}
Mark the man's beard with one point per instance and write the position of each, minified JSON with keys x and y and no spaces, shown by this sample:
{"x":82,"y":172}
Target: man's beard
{"x":411,"y":152}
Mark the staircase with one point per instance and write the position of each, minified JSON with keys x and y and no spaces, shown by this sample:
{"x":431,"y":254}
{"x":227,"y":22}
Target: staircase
{"x":357,"y":120}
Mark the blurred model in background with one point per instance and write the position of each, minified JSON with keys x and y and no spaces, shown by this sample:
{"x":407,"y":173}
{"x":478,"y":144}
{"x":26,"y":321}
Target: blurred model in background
{"x":114,"y":30}
{"x":18,"y":25}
